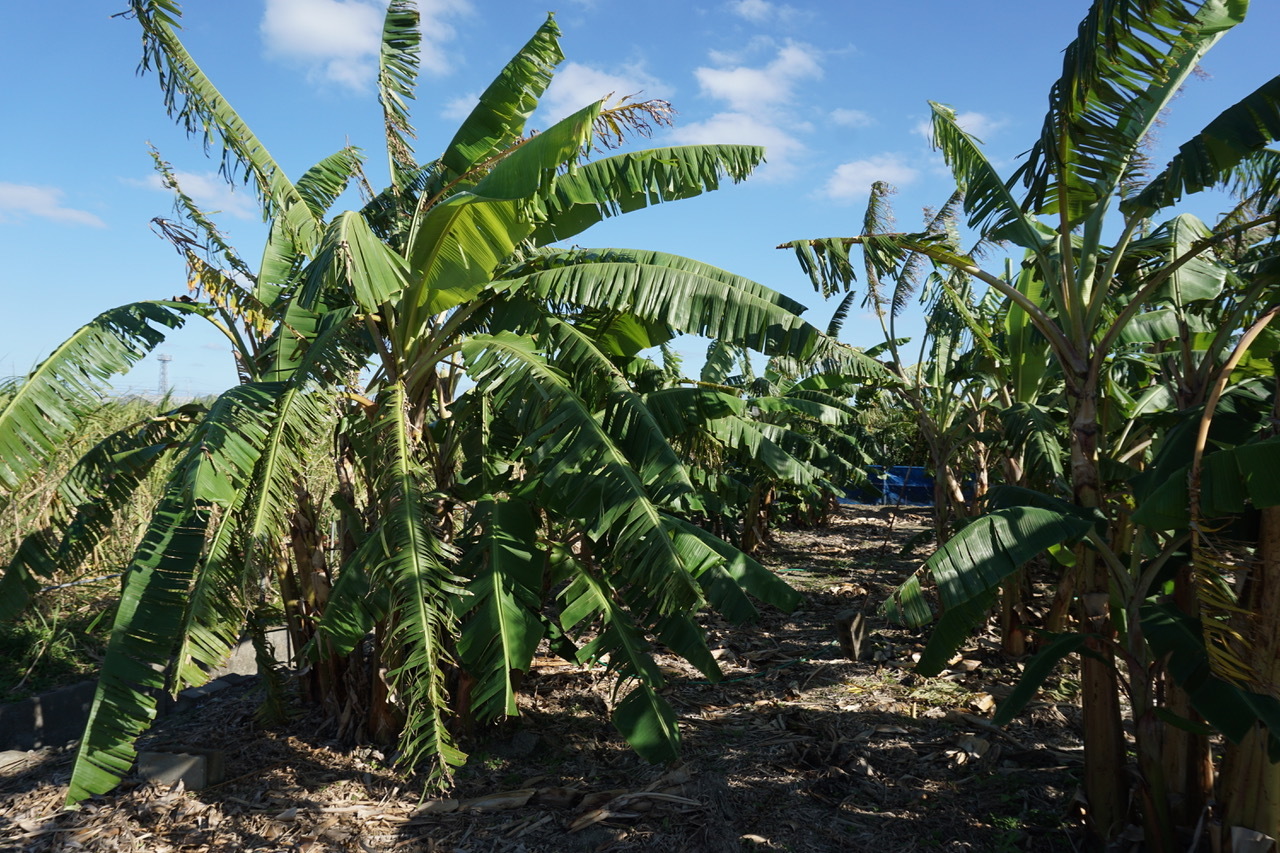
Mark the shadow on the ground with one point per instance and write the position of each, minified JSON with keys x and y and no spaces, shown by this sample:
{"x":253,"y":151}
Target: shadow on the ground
{"x":797,"y":748}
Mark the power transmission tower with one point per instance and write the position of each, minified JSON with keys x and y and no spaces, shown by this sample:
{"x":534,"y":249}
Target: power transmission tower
{"x":164,"y":359}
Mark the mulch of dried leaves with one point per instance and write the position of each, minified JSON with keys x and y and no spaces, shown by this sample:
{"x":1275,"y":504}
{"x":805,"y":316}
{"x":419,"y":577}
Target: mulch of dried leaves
{"x":799,"y":748}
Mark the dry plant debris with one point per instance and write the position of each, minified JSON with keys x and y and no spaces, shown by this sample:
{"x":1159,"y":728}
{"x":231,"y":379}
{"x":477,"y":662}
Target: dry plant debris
{"x":798,"y":749}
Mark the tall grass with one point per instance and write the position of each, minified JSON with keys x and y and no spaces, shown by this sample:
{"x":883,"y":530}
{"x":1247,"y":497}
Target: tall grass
{"x":61,"y":636}
{"x":59,"y":639}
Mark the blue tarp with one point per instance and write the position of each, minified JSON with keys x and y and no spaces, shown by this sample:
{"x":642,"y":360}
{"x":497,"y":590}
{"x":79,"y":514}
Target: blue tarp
{"x":900,"y":484}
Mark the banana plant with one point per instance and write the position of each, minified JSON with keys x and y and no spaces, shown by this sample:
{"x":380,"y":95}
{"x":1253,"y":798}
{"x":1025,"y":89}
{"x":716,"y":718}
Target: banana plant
{"x":1079,"y":206}
{"x":788,"y":437}
{"x":497,"y":476}
{"x":943,"y":381}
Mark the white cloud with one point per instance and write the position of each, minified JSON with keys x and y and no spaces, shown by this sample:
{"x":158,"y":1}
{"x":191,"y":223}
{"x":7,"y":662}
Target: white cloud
{"x":577,"y":85}
{"x":211,"y":192}
{"x":748,"y":88}
{"x":338,"y":40}
{"x":754,"y":46}
{"x":852,"y":181}
{"x":436,"y":32}
{"x":973,"y":123}
{"x":760,"y":11}
{"x":979,"y":125}
{"x":851,"y":118}
{"x":740,"y":129}
{"x":17,"y":200}
{"x":759,"y":101}
{"x":753,"y":10}
{"x":460,"y":107}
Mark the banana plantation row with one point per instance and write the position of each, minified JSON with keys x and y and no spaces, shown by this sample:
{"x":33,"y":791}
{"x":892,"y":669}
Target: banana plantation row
{"x":512,"y":453}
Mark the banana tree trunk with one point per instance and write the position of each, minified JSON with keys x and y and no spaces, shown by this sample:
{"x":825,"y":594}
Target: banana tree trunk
{"x":955,"y":492}
{"x":1104,"y":755}
{"x":979,"y":456}
{"x":755,"y":523}
{"x":1188,"y":764}
{"x":1250,"y":783}
{"x":1149,"y":733}
{"x":941,"y":514}
{"x":1013,"y":605}
{"x":1013,"y":635}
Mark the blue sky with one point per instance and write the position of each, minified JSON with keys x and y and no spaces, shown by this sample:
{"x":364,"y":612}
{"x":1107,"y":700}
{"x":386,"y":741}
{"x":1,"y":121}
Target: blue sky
{"x":837,"y":91}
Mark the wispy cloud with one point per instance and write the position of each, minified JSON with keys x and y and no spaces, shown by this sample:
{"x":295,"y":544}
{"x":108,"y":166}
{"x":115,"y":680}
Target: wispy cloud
{"x":754,"y":46}
{"x":338,"y":40}
{"x":760,"y":11}
{"x":460,"y":107}
{"x":759,"y":101}
{"x":576,"y":85}
{"x":851,"y":118}
{"x":21,"y":200}
{"x":852,"y":181}
{"x":747,"y":88}
{"x":731,"y":128}
{"x":210,"y":191}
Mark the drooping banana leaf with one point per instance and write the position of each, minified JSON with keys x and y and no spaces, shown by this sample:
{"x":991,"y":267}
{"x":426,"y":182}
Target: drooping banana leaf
{"x":1228,"y":707}
{"x":414,"y":563}
{"x":197,"y":105}
{"x":500,"y":629}
{"x":720,"y":361}
{"x":734,"y":573}
{"x":206,"y":485}
{"x":643,"y":717}
{"x":1038,"y":434}
{"x":1231,"y":480}
{"x":988,"y":199}
{"x":583,"y":470}
{"x":245,"y":540}
{"x":970,"y":567}
{"x":687,"y":296}
{"x":1210,"y":157}
{"x":630,"y":181}
{"x":1037,"y":670}
{"x":682,"y":411}
{"x":1125,"y":65}
{"x":49,"y":403}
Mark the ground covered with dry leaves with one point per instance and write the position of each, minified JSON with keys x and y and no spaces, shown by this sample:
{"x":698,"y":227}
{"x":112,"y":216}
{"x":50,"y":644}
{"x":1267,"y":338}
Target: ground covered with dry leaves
{"x":798,"y":749}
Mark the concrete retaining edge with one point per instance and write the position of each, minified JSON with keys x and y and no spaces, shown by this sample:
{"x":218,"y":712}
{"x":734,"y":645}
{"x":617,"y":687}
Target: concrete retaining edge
{"x":56,"y":718}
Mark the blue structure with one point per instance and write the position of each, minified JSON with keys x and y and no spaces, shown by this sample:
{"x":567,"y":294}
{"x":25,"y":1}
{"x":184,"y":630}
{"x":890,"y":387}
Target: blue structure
{"x":898,"y":484}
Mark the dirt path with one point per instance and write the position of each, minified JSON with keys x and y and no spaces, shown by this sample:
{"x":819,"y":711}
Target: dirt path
{"x":798,"y":749}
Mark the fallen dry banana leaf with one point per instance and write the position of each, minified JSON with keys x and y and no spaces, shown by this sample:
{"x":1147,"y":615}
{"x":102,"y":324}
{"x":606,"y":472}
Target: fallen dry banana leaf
{"x":435,"y":807}
{"x":521,"y":831}
{"x":499,"y":801}
{"x":597,"y":815}
{"x":655,"y":795}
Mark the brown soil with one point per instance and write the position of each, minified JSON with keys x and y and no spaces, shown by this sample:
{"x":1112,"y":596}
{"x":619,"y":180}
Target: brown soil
{"x":798,"y":749}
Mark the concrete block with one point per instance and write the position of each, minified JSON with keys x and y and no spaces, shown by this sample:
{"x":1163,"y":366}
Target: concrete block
{"x":58,"y":717}
{"x":243,"y":661}
{"x":193,"y":696}
{"x":195,"y":768}
{"x":50,"y":719}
